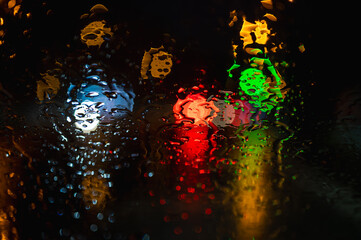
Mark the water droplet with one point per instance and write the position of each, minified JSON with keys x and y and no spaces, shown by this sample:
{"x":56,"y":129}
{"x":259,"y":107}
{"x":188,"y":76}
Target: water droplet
{"x":100,"y":216}
{"x":93,"y":227}
{"x":92,"y":94}
{"x":111,"y":218}
{"x":146,"y":237}
{"x":76,"y":215}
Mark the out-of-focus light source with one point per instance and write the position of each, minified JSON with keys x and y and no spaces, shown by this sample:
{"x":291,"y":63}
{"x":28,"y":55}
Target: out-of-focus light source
{"x":101,"y":104}
{"x":215,"y":112}
{"x":86,"y":115}
{"x":195,"y":109}
{"x":93,"y":34}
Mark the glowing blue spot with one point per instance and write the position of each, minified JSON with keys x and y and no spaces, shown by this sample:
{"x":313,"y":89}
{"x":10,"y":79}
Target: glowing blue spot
{"x":111,"y":218}
{"x":100,"y":216}
{"x":76,"y":215}
{"x":93,"y":77}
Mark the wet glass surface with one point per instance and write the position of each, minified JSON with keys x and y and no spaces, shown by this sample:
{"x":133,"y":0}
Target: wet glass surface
{"x":182,"y":120}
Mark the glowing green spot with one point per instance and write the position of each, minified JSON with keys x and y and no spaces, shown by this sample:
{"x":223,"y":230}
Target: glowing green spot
{"x":284,"y":64}
{"x":234,"y":66}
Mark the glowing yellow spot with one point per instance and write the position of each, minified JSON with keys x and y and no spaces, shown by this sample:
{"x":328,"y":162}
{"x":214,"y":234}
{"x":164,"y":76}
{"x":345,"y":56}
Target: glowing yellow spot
{"x":11,"y":3}
{"x":158,"y":62}
{"x":262,"y":32}
{"x":99,"y":8}
{"x":95,"y":192}
{"x":161,"y":64}
{"x":245,"y":32}
{"x":16,"y":9}
{"x":253,"y":51}
{"x":84,"y":16}
{"x":48,"y":88}
{"x":93,"y":34}
{"x":253,"y":192}
{"x":267,"y":4}
{"x":234,"y":18}
{"x":270,"y":17}
{"x":1,"y":21}
{"x":302,"y":48}
{"x":234,"y":50}
{"x":274,"y":49}
{"x":259,"y":29}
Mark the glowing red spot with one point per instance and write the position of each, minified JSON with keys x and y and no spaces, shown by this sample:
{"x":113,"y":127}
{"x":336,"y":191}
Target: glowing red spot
{"x":182,"y":196}
{"x":184,"y":216}
{"x":181,"y":90}
{"x":111,"y":152}
{"x":191,"y":190}
{"x":178,"y":230}
{"x":162,"y":201}
{"x":166,"y":218}
{"x":181,"y":179}
{"x":178,"y":188}
{"x":151,"y":193}
{"x":211,"y":196}
{"x":195,"y":109}
{"x":208,"y":211}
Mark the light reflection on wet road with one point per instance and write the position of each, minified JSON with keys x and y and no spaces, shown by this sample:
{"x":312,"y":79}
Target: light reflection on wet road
{"x":195,"y":183}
